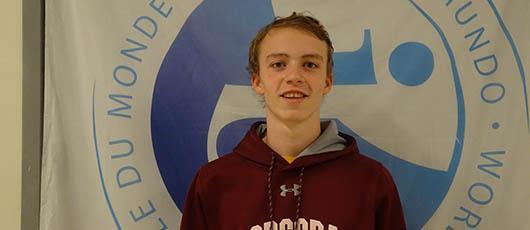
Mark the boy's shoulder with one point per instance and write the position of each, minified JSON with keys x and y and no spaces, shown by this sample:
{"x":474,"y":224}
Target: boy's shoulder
{"x":222,"y":165}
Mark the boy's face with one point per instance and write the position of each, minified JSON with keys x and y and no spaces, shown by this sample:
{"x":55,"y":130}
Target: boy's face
{"x":293,"y":74}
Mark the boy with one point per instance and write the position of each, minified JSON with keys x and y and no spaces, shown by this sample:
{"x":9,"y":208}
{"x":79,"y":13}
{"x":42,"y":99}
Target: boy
{"x":293,"y":171}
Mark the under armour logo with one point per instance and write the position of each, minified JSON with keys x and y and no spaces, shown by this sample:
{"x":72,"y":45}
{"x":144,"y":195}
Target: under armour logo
{"x":285,"y":190}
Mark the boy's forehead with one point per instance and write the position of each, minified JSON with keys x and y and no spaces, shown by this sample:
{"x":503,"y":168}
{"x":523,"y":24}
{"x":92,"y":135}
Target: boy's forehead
{"x":291,"y":41}
{"x":286,"y":55}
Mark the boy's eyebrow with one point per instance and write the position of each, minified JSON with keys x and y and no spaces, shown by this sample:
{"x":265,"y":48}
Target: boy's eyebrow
{"x":277,"y":55}
{"x":316,"y":56}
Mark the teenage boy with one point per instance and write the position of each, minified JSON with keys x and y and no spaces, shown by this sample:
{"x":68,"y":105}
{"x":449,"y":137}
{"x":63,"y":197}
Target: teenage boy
{"x":293,"y":171}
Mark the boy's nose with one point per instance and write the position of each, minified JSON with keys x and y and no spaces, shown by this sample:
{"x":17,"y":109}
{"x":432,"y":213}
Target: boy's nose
{"x":295,"y":76}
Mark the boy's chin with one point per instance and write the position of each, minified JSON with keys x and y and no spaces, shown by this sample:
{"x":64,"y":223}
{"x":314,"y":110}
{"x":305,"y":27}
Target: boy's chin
{"x":294,"y":116}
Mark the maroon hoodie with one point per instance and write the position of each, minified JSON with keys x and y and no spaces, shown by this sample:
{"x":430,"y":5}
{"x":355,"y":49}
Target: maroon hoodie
{"x":253,"y":185}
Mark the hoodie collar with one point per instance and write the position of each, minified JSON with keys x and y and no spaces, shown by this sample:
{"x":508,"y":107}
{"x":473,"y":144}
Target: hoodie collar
{"x":329,"y":145}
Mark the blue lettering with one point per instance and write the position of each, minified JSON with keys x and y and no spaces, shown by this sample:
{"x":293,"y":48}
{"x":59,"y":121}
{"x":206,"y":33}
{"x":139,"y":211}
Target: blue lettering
{"x":474,"y":198}
{"x":125,"y":82}
{"x":161,"y":221}
{"x":143,"y":214}
{"x":493,"y":65}
{"x":129,"y":52}
{"x":158,"y":8}
{"x":496,"y":98}
{"x":478,"y":32}
{"x":488,"y":167}
{"x":126,"y":107}
{"x":472,"y":220}
{"x":146,"y":25}
{"x":459,"y":11}
{"x":128,"y":143}
{"x":133,"y":178}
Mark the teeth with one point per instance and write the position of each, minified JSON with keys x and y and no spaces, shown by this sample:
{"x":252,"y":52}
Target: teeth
{"x":293,"y":95}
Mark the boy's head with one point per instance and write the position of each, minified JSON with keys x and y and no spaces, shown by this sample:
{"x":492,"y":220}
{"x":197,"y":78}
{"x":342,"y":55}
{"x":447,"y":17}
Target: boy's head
{"x":296,"y":21}
{"x":290,"y":63}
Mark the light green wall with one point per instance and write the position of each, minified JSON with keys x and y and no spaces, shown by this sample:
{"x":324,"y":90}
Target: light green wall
{"x":10,"y":113}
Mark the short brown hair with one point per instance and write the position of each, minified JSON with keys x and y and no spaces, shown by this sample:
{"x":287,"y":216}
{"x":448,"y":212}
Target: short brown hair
{"x":297,"y":21}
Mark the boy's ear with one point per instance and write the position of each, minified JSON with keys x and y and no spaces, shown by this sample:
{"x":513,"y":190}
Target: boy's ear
{"x":257,"y":84}
{"x":328,"y":84}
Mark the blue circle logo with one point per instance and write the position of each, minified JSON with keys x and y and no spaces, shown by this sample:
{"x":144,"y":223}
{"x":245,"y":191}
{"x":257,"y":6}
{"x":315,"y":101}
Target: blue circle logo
{"x":210,"y":52}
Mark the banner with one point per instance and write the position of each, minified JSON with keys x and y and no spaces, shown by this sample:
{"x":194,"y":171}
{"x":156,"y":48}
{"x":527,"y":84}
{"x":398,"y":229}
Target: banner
{"x":140,"y":94}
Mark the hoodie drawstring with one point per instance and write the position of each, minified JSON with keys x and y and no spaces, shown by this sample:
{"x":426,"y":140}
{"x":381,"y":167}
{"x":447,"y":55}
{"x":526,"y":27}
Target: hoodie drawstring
{"x":299,"y":200}
{"x":269,"y":187}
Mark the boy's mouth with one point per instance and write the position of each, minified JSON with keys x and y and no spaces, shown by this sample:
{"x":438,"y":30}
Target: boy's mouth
{"x":293,"y":95}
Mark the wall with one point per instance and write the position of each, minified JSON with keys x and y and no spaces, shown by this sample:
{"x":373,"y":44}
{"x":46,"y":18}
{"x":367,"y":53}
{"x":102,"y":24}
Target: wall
{"x":10,"y":113}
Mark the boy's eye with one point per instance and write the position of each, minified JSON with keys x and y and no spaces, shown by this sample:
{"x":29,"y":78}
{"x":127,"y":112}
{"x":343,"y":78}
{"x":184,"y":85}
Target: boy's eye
{"x":310,"y":65}
{"x":277,"y":65}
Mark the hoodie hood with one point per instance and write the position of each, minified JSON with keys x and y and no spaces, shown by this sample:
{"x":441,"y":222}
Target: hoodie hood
{"x":330,"y":145}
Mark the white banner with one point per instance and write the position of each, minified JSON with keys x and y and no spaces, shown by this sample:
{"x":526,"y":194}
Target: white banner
{"x":140,"y":94}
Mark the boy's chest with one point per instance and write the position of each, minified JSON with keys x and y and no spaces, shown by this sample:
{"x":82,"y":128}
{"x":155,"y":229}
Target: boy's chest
{"x":322,"y":204}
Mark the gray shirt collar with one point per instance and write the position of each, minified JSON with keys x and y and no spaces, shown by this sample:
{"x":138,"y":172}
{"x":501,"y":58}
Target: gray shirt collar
{"x":329,"y":140}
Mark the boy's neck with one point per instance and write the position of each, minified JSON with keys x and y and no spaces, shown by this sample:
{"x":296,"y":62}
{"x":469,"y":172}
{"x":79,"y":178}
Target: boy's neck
{"x":290,"y":139}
